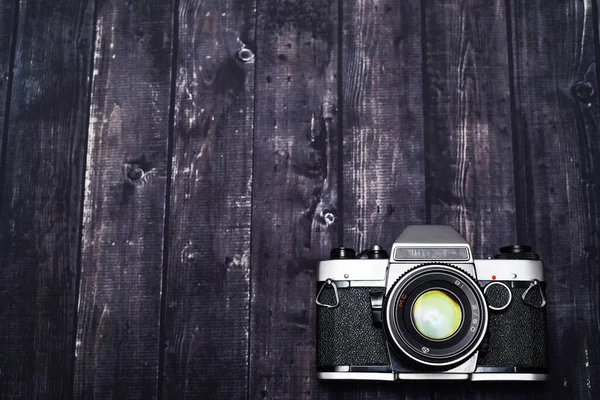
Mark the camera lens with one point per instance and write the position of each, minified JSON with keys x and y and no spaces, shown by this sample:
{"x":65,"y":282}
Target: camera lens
{"x":436,"y":314}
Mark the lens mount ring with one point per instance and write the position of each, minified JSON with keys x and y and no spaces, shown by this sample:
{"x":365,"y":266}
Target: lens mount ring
{"x":399,"y":328}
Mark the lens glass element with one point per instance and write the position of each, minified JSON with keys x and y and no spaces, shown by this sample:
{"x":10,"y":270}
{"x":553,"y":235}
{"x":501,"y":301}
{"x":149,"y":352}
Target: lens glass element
{"x":436,"y":315}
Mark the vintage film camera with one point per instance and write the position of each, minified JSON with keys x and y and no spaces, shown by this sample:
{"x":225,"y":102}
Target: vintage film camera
{"x":430,"y":311}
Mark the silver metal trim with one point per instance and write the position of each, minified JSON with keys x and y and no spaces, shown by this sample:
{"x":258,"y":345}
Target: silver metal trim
{"x":509,"y":270}
{"x":423,"y":236}
{"x":331,"y":283}
{"x":509,"y":376}
{"x":389,"y":313}
{"x":359,"y":376}
{"x":533,"y":284}
{"x":466,"y":367}
{"x":396,"y":270}
{"x":437,"y":253}
{"x":432,"y":377}
{"x":390,"y":376}
{"x":352,"y":270}
{"x":367,"y":283}
{"x":430,"y":234}
{"x":509,"y":295}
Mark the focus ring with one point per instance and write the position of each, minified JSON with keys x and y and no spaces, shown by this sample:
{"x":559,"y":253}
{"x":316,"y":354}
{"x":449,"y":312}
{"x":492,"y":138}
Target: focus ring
{"x":401,"y":331}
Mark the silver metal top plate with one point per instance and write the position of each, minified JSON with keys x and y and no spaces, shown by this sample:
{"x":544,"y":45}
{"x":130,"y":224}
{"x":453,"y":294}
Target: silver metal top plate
{"x":353,"y":270}
{"x":509,"y":270}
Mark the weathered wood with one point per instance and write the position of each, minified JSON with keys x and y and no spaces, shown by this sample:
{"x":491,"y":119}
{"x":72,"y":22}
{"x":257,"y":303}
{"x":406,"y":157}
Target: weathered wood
{"x":468,"y":129}
{"x":384,"y":176}
{"x":41,"y":197}
{"x":7,"y":41}
{"x":239,"y":309}
{"x":557,"y":182}
{"x":470,"y":181}
{"x":208,"y":287}
{"x":117,"y":348}
{"x":295,"y":212}
{"x":384,"y":179}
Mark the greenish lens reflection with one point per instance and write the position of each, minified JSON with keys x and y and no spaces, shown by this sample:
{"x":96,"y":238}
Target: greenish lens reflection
{"x":436,"y":315}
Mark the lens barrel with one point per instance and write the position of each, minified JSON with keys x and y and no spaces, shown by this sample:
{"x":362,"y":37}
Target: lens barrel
{"x":454,"y":288}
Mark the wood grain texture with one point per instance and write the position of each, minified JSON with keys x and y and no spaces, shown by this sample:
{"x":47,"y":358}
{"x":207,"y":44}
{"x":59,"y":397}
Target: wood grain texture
{"x":556,"y":142}
{"x":117,"y":347}
{"x":8,"y":21}
{"x":468,"y":128}
{"x":41,"y":198}
{"x":208,"y":286}
{"x":295,"y":209}
{"x":384,"y":178}
{"x":383,"y":151}
{"x":477,"y":114}
{"x":470,"y":180}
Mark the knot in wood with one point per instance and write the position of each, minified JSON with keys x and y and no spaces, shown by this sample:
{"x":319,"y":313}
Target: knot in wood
{"x":329,"y":217}
{"x":583,"y":91}
{"x":245,"y":55}
{"x":135,"y":173}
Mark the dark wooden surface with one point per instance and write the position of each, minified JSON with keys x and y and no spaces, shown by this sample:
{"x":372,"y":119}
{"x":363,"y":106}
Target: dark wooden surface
{"x":557,"y":180}
{"x":207,"y":295}
{"x":118,"y":322}
{"x":294,"y":207}
{"x":231,"y":144}
{"x":40,"y":213}
{"x":8,"y":19}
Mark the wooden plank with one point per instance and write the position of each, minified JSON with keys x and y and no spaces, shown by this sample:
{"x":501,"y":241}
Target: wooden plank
{"x":470,"y":180}
{"x":383,"y":151}
{"x":468,"y":129}
{"x":41,"y":197}
{"x":555,"y":120}
{"x":117,"y":347}
{"x":295,"y":212}
{"x":7,"y":41}
{"x":384,"y":178}
{"x":208,"y":287}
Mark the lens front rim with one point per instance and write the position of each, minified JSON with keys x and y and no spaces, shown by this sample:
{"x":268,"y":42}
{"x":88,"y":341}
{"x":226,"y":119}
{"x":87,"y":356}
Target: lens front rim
{"x":403,"y":336}
{"x":444,"y":348}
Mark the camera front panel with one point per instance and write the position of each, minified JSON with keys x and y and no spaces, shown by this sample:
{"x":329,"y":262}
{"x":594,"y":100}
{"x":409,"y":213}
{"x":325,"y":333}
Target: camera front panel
{"x":349,"y":344}
{"x":346,"y":335}
{"x":516,"y":343}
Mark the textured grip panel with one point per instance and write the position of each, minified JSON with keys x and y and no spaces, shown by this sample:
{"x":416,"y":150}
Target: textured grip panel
{"x":346,"y":334}
{"x":517,"y":335}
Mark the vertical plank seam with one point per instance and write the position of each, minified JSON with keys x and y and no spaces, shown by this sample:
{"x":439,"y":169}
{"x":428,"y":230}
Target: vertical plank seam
{"x":587,"y":196}
{"x":426,"y":124}
{"x":170,"y":138}
{"x":520,"y":211}
{"x":340,"y":124}
{"x":90,"y":87}
{"x":11,"y":67}
{"x":596,"y":38}
{"x":252,"y":162}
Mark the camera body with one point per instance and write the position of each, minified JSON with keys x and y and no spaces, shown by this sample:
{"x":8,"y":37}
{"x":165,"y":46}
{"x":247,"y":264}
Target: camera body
{"x":430,"y":311}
